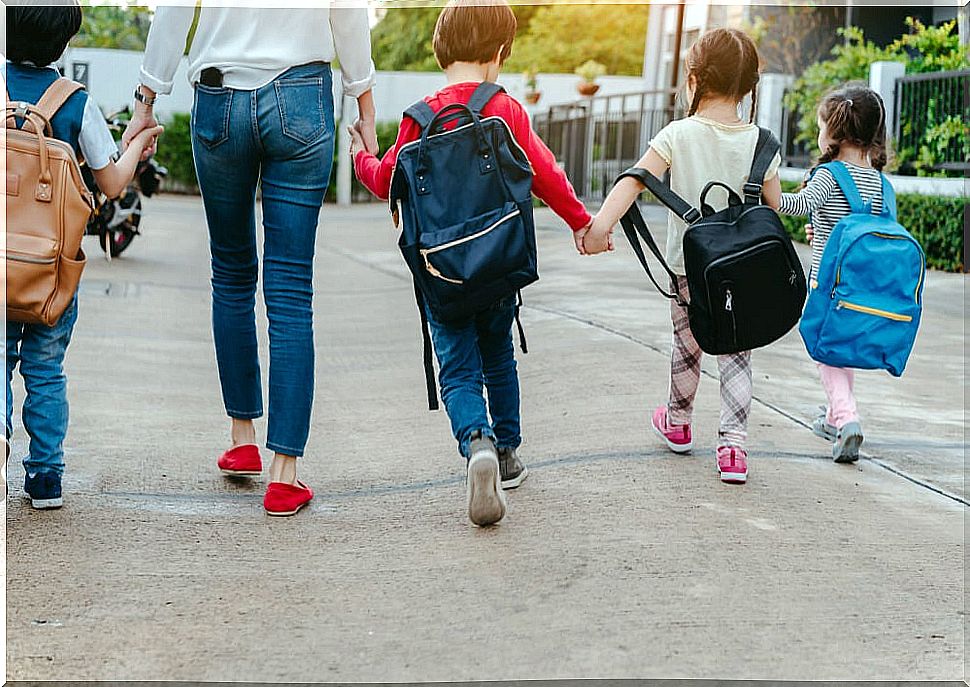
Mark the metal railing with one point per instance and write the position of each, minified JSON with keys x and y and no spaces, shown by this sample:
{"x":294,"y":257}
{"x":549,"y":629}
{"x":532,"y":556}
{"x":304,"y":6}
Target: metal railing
{"x":597,"y":138}
{"x":926,"y":101}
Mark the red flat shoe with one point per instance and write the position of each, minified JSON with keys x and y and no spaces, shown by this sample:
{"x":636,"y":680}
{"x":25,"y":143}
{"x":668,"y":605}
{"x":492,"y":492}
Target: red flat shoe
{"x":286,"y":499}
{"x":241,"y":460}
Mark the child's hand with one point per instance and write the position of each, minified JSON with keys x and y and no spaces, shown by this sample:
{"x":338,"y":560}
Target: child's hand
{"x":356,"y":142}
{"x":599,"y":239}
{"x":145,"y":139}
{"x":809,"y":233}
{"x":578,"y":237}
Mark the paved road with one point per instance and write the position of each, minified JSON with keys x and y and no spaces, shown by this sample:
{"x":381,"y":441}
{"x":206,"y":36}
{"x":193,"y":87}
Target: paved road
{"x":617,"y":559}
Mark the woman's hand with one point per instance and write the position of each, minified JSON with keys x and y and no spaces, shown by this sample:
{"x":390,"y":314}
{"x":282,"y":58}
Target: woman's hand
{"x":142,"y":118}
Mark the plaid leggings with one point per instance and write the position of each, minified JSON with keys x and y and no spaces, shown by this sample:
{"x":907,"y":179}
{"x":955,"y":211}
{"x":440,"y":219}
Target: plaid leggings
{"x":685,"y":373}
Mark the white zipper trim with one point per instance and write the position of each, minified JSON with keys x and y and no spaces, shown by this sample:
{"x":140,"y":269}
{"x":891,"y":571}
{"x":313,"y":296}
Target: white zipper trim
{"x":425,"y":252}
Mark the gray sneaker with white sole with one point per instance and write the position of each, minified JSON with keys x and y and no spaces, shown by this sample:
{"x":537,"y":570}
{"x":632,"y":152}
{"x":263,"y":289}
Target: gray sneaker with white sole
{"x":512,"y":469}
{"x":486,"y":500}
{"x":823,"y":430}
{"x":846,"y":448}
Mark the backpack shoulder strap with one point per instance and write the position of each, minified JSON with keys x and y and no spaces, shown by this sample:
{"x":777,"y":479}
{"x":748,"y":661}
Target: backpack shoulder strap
{"x":420,"y":112}
{"x":764,"y":152}
{"x":56,"y":95}
{"x":485,"y":91}
{"x":675,"y":203}
{"x":847,"y":184}
{"x":888,"y":198}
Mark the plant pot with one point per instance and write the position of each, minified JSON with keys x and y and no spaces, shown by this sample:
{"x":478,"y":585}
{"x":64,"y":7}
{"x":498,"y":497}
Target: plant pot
{"x":587,"y":88}
{"x":532,"y":97}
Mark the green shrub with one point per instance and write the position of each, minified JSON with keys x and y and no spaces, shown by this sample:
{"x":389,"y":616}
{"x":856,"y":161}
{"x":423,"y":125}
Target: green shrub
{"x":175,"y":153}
{"x":935,"y":221}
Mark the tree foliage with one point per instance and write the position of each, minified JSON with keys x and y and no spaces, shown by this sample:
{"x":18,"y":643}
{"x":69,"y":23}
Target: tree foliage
{"x":550,"y":38}
{"x":923,"y":49}
{"x":561,"y":37}
{"x":111,"y":26}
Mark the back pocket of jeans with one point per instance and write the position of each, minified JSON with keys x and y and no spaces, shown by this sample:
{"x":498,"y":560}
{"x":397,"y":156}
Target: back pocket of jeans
{"x":301,"y":108}
{"x":210,"y":116}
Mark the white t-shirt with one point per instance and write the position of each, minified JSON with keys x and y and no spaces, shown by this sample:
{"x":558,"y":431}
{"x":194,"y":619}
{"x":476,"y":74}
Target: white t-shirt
{"x":700,"y":150}
{"x":95,"y":141}
{"x":252,"y":46}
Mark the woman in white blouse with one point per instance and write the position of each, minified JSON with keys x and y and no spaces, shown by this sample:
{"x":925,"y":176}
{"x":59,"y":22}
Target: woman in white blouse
{"x":263,"y":114}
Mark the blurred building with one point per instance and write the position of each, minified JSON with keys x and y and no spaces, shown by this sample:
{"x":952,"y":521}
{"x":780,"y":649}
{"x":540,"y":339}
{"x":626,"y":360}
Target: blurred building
{"x":791,"y":37}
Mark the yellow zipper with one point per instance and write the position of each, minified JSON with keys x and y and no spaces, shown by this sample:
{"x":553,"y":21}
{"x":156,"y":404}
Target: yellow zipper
{"x":875,"y":311}
{"x":425,"y":252}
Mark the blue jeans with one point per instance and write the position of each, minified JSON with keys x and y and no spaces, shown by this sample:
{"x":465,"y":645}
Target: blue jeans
{"x":39,"y":350}
{"x":281,"y":136}
{"x":472,"y":354}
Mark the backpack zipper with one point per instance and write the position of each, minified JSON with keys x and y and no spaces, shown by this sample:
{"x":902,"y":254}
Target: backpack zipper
{"x":426,"y":252}
{"x":29,"y":259}
{"x":874,"y":311}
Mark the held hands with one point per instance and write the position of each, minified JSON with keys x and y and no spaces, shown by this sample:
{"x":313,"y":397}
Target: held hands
{"x":146,"y":140}
{"x":356,"y":142}
{"x":141,"y":119}
{"x":367,"y":132}
{"x":599,"y":237}
{"x":809,"y":234}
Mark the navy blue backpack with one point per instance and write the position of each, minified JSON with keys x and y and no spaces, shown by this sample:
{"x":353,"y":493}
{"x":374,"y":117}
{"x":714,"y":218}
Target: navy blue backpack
{"x":462,"y":195}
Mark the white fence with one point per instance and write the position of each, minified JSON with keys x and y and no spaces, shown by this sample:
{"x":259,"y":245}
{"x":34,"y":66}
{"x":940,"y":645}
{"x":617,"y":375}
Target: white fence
{"x":111,"y":76}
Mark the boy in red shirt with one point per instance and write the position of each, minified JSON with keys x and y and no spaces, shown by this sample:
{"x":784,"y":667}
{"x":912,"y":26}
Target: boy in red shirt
{"x":471,"y":42}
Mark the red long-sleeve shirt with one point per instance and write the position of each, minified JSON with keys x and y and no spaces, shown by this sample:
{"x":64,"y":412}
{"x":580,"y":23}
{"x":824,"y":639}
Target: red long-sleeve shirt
{"x":549,"y":182}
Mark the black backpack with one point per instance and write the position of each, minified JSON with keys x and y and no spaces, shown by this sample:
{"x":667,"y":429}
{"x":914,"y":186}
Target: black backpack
{"x":464,"y":195}
{"x":747,"y":286}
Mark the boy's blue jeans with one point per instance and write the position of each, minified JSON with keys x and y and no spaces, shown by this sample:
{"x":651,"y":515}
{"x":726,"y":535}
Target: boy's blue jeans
{"x":476,"y":353}
{"x":280,"y":136}
{"x":39,"y":350}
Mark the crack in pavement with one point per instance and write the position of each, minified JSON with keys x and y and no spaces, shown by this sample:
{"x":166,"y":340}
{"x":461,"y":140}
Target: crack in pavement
{"x":875,"y":460}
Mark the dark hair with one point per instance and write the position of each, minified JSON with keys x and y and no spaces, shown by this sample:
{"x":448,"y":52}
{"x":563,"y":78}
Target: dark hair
{"x":854,"y":114}
{"x":39,"y":34}
{"x":724,"y":62}
{"x":473,"y":31}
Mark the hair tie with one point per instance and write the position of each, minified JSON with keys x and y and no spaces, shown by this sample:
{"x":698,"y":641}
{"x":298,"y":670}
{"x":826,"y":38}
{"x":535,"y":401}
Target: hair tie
{"x":849,"y":100}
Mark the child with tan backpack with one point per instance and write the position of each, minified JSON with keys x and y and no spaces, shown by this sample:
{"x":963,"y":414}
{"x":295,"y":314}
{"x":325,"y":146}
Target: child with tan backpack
{"x":50,"y":122}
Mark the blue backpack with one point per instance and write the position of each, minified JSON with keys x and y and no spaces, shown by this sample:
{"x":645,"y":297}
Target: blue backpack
{"x":865,"y":309}
{"x":462,"y":194}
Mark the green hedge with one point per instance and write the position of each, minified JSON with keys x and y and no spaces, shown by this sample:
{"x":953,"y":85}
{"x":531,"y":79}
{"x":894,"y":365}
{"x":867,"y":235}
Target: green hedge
{"x":935,"y":221}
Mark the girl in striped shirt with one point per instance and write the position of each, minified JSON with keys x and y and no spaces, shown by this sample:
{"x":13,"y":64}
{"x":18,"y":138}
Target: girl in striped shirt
{"x":852,"y":129}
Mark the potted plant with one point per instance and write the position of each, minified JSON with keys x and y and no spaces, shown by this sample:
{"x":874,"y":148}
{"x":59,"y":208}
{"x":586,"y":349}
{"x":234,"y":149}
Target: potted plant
{"x":589,"y":71}
{"x":532,"y":93}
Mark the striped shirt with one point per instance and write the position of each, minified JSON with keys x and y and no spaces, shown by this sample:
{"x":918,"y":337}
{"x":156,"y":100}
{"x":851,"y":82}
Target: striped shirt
{"x":823,"y":198}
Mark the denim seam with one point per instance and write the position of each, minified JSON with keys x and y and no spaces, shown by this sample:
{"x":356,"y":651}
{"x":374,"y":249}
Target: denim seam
{"x":254,"y":118}
{"x":244,"y":415}
{"x":285,"y":450}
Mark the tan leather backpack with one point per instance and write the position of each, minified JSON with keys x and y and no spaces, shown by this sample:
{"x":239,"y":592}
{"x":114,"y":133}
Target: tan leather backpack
{"x":48,"y":206}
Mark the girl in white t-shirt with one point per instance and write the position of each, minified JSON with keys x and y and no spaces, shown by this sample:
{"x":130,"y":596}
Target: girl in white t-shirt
{"x":711,"y":143}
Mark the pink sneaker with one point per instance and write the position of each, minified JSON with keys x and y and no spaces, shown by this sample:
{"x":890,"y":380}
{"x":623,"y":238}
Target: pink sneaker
{"x":732,"y":464}
{"x":677,"y":437}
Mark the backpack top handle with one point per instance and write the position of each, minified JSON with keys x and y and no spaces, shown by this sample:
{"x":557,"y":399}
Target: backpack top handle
{"x":486,"y":155}
{"x":734,"y":199}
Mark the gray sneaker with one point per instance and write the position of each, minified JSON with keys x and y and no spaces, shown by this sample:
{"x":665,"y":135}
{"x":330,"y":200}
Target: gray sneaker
{"x":822,"y":429}
{"x":486,"y":501}
{"x":512,"y":469}
{"x":846,"y":449}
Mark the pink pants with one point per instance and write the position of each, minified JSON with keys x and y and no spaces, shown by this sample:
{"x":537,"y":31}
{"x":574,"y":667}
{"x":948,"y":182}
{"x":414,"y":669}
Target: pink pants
{"x":838,"y":388}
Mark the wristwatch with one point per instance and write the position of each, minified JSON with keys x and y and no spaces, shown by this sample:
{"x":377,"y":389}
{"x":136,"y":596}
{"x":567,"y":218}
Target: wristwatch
{"x":144,"y":99}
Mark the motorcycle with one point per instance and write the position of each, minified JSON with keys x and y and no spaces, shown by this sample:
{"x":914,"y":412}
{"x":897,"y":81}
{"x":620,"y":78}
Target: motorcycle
{"x":117,"y":221}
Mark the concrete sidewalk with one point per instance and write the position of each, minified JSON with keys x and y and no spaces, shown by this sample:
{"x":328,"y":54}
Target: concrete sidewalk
{"x":617,"y":558}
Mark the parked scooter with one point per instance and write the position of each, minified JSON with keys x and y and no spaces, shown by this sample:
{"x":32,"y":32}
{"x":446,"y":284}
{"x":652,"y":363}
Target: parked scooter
{"x":117,"y":221}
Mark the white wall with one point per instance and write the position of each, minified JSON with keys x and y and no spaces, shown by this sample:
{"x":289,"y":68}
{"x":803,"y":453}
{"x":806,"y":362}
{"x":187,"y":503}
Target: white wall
{"x":113,"y":74}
